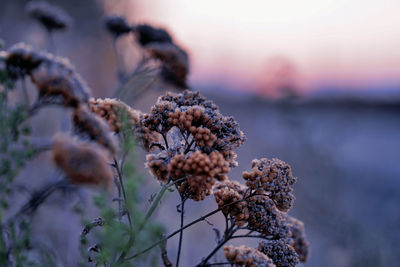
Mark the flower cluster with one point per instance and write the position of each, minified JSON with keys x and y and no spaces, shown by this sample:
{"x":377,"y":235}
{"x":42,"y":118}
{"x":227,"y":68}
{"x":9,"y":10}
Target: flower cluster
{"x":229,"y":192}
{"x":58,"y":83}
{"x":82,"y":162}
{"x":116,"y":25}
{"x":203,"y":140}
{"x":93,"y":127}
{"x":281,"y":252}
{"x":50,"y":16}
{"x":113,"y":111}
{"x":247,"y":257}
{"x":298,"y":238}
{"x":55,"y":78}
{"x":175,"y":62}
{"x":258,"y":206}
{"x":275,"y":178}
{"x":146,"y":34}
{"x":119,"y":115}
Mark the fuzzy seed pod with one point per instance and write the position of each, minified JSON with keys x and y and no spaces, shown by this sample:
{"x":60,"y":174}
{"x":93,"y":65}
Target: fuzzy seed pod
{"x":82,"y":162}
{"x":116,"y":25}
{"x":87,"y":124}
{"x":50,"y":16}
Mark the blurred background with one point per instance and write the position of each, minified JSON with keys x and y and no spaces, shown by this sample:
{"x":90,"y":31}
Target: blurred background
{"x":314,"y":83}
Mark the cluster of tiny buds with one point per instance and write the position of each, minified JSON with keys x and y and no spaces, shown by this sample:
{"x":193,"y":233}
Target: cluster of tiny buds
{"x":273,"y":177}
{"x":228,"y":192}
{"x":200,"y":170}
{"x":93,"y":127}
{"x":114,"y":111}
{"x":247,"y":257}
{"x":265,"y":218}
{"x":69,"y":154}
{"x":280,"y":251}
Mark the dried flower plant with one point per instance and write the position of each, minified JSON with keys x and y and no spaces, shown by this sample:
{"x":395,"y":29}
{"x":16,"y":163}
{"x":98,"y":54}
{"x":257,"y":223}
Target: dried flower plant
{"x":191,"y":147}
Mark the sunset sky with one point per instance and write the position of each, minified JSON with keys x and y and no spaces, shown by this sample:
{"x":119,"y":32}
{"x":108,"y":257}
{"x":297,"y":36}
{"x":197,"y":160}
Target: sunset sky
{"x":346,"y":43}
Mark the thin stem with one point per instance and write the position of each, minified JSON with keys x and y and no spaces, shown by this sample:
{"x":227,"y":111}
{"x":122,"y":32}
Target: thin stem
{"x":121,"y":182}
{"x":25,"y":92}
{"x":202,"y":218}
{"x":227,"y":237}
{"x":52,"y":44}
{"x":174,"y":233}
{"x":120,"y":67}
{"x":181,"y":233}
{"x":165,"y":140}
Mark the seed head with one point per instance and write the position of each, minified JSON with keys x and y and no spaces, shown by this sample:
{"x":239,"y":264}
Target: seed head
{"x":274,"y":177}
{"x":298,"y":238}
{"x":82,"y":162}
{"x":114,"y":111}
{"x":175,"y":62}
{"x":146,"y":34}
{"x":247,"y":257}
{"x":50,"y":16}
{"x":228,"y":192}
{"x":281,"y":252}
{"x":116,"y":25}
{"x":265,"y":218}
{"x":89,"y":125}
{"x":201,"y":171}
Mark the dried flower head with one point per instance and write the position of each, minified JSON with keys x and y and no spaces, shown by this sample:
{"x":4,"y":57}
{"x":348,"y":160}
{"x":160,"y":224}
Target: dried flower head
{"x":82,"y":162}
{"x":228,"y":192}
{"x":298,"y":238}
{"x":200,"y":169}
{"x":265,"y":218}
{"x":55,"y":78}
{"x":116,"y":25}
{"x":280,"y":251}
{"x":274,"y":177}
{"x":114,"y":112}
{"x":146,"y":34}
{"x":89,"y":125}
{"x":21,"y":59}
{"x":199,"y":120}
{"x":158,"y":164}
{"x":246,"y":256}
{"x":50,"y":16}
{"x":175,"y":62}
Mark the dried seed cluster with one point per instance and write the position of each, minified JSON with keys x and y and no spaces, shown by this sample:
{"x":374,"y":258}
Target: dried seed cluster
{"x":82,"y":162}
{"x":229,"y":192}
{"x":55,"y":78}
{"x":203,"y":141}
{"x":146,"y":34}
{"x":114,"y":111}
{"x":50,"y":16}
{"x":281,"y":253}
{"x":247,"y":256}
{"x":265,"y":218}
{"x":88,"y":125}
{"x":175,"y":62}
{"x":298,"y":238}
{"x":200,"y":170}
{"x":197,"y":119}
{"x":116,"y":25}
{"x":275,"y":178}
